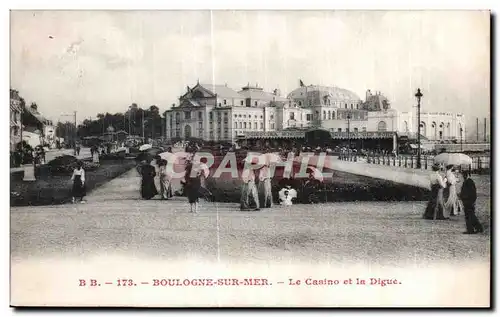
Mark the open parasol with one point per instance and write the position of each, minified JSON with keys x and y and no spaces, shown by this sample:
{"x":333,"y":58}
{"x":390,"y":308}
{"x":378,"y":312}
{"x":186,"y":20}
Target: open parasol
{"x":316,"y":173}
{"x":453,"y":159}
{"x":174,"y":157}
{"x":145,"y":147}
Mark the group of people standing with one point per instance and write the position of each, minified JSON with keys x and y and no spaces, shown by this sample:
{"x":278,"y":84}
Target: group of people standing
{"x":255,"y":181}
{"x":445,"y":200}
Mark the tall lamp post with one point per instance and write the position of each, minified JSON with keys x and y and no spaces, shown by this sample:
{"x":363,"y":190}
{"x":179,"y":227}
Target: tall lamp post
{"x":418,"y":95}
{"x":461,"y":139}
{"x":349,"y":136}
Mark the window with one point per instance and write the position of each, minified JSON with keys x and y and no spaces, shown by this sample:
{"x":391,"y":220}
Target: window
{"x":200,"y":115}
{"x":255,"y":103}
{"x":177,"y":117}
{"x":241,"y":103}
{"x":339,"y":130}
{"x":200,"y":125}
{"x":357,"y":106}
{"x":225,"y":102}
{"x":317,"y":115}
{"x":200,"y":133}
{"x":262,"y":126}
{"x":355,"y":130}
{"x":382,"y":126}
{"x":308,"y":117}
{"x":352,"y":107}
{"x":310,"y":102}
{"x":300,"y":103}
{"x":272,"y":117}
{"x":255,"y":116}
{"x":211,"y":115}
{"x":220,"y":104}
{"x":244,"y":125}
{"x":329,"y":115}
{"x":249,"y":125}
{"x":235,"y":115}
{"x":324,"y":115}
{"x":263,"y":117}
{"x":346,"y":106}
{"x":255,"y":125}
{"x":272,"y":126}
{"x":292,"y":115}
{"x":241,"y":125}
{"x":236,"y":125}
{"x":363,"y":129}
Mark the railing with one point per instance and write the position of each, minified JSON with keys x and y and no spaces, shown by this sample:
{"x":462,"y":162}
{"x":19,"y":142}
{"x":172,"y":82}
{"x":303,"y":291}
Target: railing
{"x":480,"y":164}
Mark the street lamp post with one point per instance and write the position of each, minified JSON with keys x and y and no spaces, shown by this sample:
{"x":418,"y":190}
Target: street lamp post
{"x":418,"y":95}
{"x":461,"y":139}
{"x":348,"y":136}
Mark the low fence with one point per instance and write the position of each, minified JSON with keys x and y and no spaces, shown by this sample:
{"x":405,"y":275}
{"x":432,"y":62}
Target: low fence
{"x":480,"y":164}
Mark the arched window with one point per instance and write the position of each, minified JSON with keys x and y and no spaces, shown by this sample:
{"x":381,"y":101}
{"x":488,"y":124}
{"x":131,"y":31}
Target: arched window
{"x":423,"y":128}
{"x":324,"y":115}
{"x":405,"y":126}
{"x":329,"y":115}
{"x":236,"y":125}
{"x":333,"y":114}
{"x":300,"y":103}
{"x":187,"y":131}
{"x":382,"y":126}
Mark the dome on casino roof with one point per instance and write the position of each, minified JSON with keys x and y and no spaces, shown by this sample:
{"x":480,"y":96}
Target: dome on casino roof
{"x":335,"y":93}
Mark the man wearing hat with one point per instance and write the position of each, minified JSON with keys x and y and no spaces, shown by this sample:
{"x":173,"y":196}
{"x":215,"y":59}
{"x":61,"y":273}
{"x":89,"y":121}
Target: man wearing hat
{"x":468,"y":194}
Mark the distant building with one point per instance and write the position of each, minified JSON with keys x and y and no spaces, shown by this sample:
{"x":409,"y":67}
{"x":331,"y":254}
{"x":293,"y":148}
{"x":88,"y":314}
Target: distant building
{"x":15,"y":119}
{"x":219,"y":113}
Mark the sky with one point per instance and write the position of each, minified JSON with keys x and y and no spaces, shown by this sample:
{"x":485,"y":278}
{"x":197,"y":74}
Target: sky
{"x":102,"y":61}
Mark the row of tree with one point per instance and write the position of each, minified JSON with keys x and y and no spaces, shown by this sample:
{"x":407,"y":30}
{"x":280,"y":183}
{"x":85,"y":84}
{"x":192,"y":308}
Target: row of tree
{"x":135,"y":121}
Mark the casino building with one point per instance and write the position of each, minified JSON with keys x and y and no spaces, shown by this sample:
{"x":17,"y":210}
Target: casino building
{"x":219,"y":113}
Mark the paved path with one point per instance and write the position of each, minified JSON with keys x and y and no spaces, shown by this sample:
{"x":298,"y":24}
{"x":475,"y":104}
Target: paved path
{"x":117,"y":235}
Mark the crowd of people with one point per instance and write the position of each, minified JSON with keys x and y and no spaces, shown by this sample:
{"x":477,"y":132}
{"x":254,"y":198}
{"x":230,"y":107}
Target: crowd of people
{"x":446,"y":202}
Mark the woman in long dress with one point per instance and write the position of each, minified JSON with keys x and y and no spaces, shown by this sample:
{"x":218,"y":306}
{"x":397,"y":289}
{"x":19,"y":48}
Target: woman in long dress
{"x":249,"y":195}
{"x":148,"y":187}
{"x":265,"y":187}
{"x":452,"y":203}
{"x":192,"y":187}
{"x":78,"y":178}
{"x":165,"y":184}
{"x":435,"y":209}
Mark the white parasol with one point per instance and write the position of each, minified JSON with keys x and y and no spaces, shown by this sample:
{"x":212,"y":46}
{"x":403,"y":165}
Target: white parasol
{"x":316,"y":173}
{"x":174,"y":157}
{"x":121,"y":149}
{"x":453,"y":159}
{"x":145,"y":147}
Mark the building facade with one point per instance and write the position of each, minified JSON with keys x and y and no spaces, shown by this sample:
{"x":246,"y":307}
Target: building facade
{"x":15,"y":119}
{"x":219,"y":113}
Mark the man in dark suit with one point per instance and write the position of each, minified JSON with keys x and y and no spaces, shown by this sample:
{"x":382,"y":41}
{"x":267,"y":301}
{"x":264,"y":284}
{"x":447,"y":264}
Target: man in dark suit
{"x":468,"y":194}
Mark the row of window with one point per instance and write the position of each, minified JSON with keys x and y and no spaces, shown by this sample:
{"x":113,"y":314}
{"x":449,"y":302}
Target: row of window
{"x":243,"y":125}
{"x":355,"y":130}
